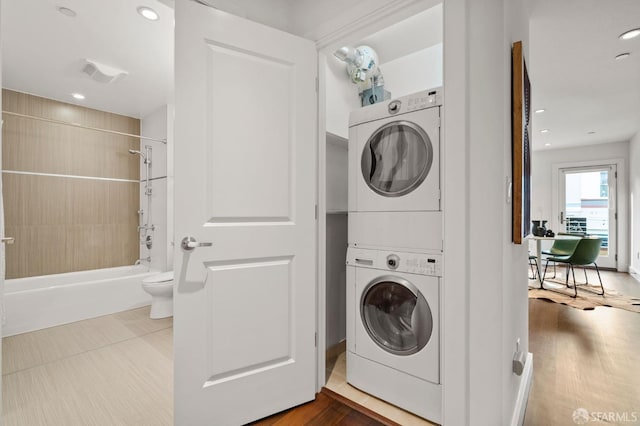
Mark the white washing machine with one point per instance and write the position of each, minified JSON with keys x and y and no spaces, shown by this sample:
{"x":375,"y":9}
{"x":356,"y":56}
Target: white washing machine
{"x":393,"y":328}
{"x":394,"y":173}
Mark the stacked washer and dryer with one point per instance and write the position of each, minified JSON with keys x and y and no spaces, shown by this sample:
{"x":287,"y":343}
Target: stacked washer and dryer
{"x":394,"y":258}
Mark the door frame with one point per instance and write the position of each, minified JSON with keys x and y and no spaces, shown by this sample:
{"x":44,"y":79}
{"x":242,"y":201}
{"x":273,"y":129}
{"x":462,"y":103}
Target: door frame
{"x":355,"y":30}
{"x":621,"y":200}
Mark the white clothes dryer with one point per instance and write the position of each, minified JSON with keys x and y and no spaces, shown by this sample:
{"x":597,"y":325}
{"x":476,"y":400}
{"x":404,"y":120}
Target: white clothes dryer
{"x":394,"y":155}
{"x":394,"y":174}
{"x":393,"y":328}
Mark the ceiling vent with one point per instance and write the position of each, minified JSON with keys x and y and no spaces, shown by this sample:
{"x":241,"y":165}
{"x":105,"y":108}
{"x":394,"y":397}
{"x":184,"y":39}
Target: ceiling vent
{"x":102,"y":73}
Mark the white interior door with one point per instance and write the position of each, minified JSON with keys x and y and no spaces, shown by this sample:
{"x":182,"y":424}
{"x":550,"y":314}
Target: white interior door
{"x":587,"y":203}
{"x":245,"y":170}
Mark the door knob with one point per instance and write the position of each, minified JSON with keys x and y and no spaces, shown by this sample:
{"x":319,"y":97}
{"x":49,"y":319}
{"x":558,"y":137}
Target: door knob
{"x":8,"y":240}
{"x":189,"y":243}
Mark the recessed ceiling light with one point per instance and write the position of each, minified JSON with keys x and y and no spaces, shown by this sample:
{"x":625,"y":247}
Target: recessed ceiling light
{"x":148,"y":13}
{"x":547,"y":144}
{"x":630,"y":34}
{"x":591,"y":132}
{"x":623,"y":56}
{"x":78,"y":96}
{"x":544,"y":131}
{"x":67,"y":12}
{"x":538,"y":111}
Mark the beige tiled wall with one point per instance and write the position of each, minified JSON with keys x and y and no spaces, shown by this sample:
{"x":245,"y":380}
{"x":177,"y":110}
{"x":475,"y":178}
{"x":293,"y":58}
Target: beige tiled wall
{"x":65,"y":224}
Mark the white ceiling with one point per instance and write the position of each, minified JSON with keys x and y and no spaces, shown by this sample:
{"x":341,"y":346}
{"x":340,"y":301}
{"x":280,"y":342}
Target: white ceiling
{"x":571,"y":58}
{"x":43,"y":52}
{"x":575,"y":77}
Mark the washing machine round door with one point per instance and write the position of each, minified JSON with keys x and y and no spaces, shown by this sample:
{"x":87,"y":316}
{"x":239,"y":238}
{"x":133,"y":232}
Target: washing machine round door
{"x":396,"y":315}
{"x":397,"y":158}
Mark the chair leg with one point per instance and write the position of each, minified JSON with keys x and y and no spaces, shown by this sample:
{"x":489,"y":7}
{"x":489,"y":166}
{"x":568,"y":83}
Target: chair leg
{"x":575,"y":284}
{"x":544,"y":274}
{"x":586,"y":279}
{"x":600,"y":279}
{"x":554,"y":269}
{"x":533,"y":271}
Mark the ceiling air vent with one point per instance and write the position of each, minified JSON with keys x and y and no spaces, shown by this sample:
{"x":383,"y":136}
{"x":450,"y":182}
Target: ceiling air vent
{"x":102,"y":73}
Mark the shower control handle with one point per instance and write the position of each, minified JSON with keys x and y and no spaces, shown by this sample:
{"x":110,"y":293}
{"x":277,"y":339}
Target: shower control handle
{"x":189,"y":243}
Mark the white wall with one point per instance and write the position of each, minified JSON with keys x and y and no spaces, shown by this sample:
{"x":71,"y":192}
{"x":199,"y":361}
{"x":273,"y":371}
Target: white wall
{"x":542,"y":185}
{"x":341,"y":97}
{"x":634,"y":203}
{"x":414,"y":72}
{"x":155,"y":125}
{"x":485,"y":286}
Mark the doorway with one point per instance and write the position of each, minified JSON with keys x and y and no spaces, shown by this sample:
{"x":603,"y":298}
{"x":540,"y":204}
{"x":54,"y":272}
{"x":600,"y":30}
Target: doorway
{"x":410,"y":58}
{"x":587,"y":201}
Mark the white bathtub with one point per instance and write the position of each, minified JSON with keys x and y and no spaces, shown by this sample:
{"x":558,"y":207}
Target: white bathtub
{"x":49,"y":300}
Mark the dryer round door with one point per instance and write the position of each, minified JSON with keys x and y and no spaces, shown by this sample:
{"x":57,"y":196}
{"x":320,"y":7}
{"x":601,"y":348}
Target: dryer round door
{"x":396,"y":158}
{"x":396,"y":315}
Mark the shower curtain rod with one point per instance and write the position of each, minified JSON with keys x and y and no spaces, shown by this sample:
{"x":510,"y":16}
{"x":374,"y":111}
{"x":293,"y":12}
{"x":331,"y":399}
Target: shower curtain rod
{"x":115,"y":132}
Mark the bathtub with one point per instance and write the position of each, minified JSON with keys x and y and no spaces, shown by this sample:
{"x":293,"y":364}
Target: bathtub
{"x":39,"y":302}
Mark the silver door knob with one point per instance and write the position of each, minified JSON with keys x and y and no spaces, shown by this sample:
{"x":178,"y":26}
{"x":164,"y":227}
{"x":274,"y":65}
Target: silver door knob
{"x":189,"y":243}
{"x":8,"y":240}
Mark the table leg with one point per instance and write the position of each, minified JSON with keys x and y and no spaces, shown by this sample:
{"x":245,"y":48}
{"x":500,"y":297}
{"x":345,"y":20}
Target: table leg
{"x":539,"y":261}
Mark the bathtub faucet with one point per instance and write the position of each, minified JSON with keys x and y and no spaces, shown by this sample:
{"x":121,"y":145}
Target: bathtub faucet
{"x":146,"y":259}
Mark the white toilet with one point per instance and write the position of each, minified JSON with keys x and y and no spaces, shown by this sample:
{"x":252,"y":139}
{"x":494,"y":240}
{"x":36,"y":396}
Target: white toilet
{"x":160,"y":287}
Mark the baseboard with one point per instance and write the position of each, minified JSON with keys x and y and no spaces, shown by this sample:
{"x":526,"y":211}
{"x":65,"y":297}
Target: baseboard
{"x":523,"y":392}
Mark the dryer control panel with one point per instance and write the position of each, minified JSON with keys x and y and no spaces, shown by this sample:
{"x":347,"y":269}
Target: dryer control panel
{"x":402,"y":105}
{"x":412,"y":263}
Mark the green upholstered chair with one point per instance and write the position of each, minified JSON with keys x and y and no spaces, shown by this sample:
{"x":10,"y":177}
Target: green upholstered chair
{"x":561,"y":247}
{"x":585,"y":253}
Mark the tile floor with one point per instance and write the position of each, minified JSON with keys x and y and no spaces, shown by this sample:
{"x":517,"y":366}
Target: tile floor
{"x":337,"y":382}
{"x":111,"y":370}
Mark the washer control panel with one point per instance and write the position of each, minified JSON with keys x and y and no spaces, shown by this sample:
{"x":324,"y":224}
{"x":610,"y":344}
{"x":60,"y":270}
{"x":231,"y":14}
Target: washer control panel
{"x":413,"y":263}
{"x":423,"y":264}
{"x":393,"y":261}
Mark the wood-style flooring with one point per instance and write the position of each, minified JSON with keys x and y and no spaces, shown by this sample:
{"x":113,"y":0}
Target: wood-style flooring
{"x":585,"y":359}
{"x":328,"y":409}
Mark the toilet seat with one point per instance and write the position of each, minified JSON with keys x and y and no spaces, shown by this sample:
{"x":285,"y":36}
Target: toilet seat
{"x":159,"y":278}
{"x":158,"y":285}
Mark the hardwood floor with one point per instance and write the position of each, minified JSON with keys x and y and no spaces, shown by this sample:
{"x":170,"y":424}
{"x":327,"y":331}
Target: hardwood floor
{"x":328,"y":409}
{"x":585,"y":359}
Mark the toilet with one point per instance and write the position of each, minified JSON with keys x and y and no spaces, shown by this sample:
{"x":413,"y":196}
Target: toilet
{"x":160,"y":287}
